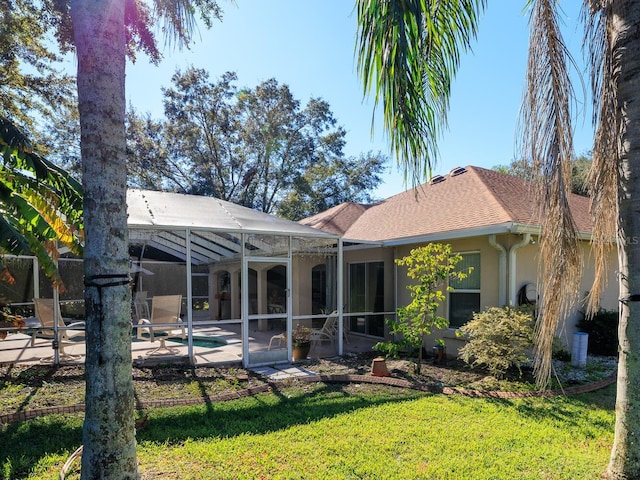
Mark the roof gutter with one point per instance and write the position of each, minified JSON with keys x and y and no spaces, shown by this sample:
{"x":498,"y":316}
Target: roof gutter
{"x":507,"y":227}
{"x":450,"y":235}
{"x":522,"y":228}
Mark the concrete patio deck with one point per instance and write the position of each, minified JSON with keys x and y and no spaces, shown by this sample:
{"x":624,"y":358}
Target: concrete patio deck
{"x":17,"y":349}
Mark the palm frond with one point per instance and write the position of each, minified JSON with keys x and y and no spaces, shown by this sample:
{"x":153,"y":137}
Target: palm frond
{"x":548,"y":144}
{"x":408,"y":53}
{"x":603,"y":176}
{"x":179,"y":18}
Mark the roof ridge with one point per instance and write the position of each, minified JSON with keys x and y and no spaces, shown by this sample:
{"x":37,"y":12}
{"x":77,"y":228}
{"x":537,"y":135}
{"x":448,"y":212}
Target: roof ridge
{"x":334,"y":211}
{"x":337,"y":219}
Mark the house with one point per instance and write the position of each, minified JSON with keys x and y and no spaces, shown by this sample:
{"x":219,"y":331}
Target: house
{"x":257,"y":276}
{"x":488,"y":217}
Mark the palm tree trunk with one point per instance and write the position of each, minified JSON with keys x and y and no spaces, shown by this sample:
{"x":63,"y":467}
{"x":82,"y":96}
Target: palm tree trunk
{"x":109,"y":431}
{"x":625,"y":40}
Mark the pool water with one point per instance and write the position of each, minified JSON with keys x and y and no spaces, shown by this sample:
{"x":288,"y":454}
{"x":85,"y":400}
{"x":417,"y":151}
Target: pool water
{"x":198,"y":341}
{"x":201,"y":341}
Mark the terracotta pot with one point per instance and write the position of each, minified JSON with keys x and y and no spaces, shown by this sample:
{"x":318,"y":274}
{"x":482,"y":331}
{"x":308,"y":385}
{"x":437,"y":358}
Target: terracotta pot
{"x":301,"y":351}
{"x":379,"y":367}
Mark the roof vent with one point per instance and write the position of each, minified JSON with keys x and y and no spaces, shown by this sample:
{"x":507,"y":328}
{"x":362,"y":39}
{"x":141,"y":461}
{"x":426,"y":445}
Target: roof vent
{"x":436,"y":179}
{"x":457,"y":171}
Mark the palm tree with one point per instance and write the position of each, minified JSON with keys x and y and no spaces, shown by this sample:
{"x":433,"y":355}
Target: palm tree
{"x":109,"y":446}
{"x":101,"y":43}
{"x":40,"y":204}
{"x":409,"y":51}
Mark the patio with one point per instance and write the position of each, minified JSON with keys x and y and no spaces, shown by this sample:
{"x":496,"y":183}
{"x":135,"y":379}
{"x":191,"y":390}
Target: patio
{"x":17,"y":349}
{"x":243,"y":277}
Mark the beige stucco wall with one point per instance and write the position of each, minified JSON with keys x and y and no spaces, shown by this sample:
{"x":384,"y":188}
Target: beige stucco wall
{"x":488,"y":270}
{"x":526,"y":270}
{"x":302,"y":283}
{"x":489,"y":280}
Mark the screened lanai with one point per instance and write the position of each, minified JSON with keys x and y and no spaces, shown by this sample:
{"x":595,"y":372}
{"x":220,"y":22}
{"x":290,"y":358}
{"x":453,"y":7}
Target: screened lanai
{"x":244,"y":278}
{"x":236,"y":268}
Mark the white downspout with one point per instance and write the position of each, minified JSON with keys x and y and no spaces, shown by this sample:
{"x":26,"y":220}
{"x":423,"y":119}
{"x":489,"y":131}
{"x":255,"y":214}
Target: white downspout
{"x":340,"y":296}
{"x":513,"y":301}
{"x":502,"y":270}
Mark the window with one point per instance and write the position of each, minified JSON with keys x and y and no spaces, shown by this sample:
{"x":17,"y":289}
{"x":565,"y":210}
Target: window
{"x":465,"y":299}
{"x":366,"y":294}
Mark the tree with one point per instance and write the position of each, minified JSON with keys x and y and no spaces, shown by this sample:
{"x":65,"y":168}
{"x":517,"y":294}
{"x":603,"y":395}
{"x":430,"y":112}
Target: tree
{"x":31,"y":90}
{"x":40,"y":204}
{"x":330,"y":182}
{"x":59,"y":142}
{"x":108,"y":433}
{"x":255,"y":147}
{"x":579,"y":172}
{"x":101,"y":42}
{"x":148,"y":158}
{"x":408,"y":53}
{"x":432,"y":266}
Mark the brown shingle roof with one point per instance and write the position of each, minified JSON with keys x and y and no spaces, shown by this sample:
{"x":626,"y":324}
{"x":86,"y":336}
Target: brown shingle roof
{"x":475,"y":199}
{"x":337,"y":219}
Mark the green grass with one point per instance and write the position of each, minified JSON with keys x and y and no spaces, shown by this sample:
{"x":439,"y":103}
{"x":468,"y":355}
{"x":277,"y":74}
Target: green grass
{"x":346,"y":432}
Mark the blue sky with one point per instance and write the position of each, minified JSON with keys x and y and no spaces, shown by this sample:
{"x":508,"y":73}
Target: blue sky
{"x":309,"y":45}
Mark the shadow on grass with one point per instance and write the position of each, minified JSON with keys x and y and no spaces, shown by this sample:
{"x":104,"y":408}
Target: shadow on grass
{"x":25,"y":445}
{"x":564,"y":409}
{"x":282,"y":408}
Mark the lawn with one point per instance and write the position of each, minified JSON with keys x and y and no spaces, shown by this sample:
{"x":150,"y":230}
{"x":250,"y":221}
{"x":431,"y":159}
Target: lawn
{"x":353,"y":431}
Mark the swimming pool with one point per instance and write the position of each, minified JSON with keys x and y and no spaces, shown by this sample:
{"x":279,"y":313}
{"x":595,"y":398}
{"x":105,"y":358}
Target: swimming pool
{"x":201,"y":341}
{"x":198,"y":340}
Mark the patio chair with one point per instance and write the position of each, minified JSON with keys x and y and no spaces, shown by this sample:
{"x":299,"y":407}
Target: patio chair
{"x":281,"y":338}
{"x":44,"y":310}
{"x":141,"y":305}
{"x":165,"y":322}
{"x":328,"y":332}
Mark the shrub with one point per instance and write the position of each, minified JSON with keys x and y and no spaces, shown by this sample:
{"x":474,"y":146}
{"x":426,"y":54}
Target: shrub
{"x":602,"y":328}
{"x":498,"y":339}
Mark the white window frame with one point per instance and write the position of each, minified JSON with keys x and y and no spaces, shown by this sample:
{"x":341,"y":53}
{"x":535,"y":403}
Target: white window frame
{"x":477,"y":291}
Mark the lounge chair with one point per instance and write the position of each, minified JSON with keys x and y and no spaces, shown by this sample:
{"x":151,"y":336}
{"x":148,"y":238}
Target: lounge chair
{"x":328,"y":332}
{"x":44,"y":309}
{"x":165,"y":321}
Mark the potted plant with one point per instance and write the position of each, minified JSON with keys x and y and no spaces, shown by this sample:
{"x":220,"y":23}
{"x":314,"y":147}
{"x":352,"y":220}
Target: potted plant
{"x":301,"y":342}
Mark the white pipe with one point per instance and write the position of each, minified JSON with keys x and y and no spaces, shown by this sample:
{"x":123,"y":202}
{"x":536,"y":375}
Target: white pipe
{"x":526,"y":238}
{"x":502,"y":270}
{"x":339,"y":296}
